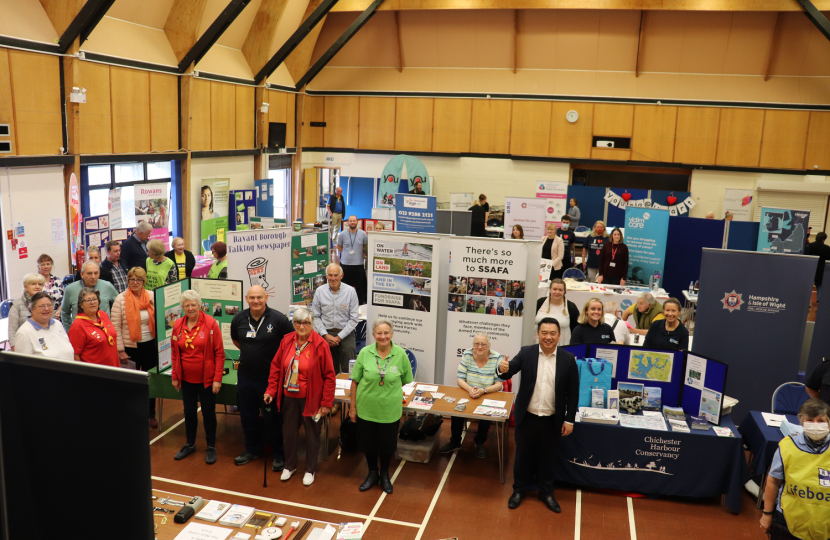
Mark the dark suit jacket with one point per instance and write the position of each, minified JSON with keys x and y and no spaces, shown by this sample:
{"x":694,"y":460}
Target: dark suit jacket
{"x":566,"y":386}
{"x":189,"y":261}
{"x":132,"y":254}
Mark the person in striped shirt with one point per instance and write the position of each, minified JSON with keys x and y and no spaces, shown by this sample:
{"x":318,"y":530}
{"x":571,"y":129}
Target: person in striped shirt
{"x":476,"y":375}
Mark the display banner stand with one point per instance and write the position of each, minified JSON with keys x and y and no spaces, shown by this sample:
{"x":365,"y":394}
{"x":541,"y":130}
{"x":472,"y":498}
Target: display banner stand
{"x":309,"y":258}
{"x":263,"y":257}
{"x":751,"y":313}
{"x":221,"y":299}
{"x":820,"y":345}
{"x":529,"y":213}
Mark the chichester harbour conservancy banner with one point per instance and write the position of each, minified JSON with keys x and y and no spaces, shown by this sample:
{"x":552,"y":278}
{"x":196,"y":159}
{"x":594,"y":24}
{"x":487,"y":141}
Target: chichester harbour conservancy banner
{"x":486,"y":294}
{"x":645,"y":235}
{"x":262,"y":257}
{"x":402,"y":268}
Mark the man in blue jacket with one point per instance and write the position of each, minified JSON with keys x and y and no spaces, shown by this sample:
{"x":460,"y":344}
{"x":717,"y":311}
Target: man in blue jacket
{"x":545,"y":409}
{"x":337,"y":208}
{"x":134,"y":248}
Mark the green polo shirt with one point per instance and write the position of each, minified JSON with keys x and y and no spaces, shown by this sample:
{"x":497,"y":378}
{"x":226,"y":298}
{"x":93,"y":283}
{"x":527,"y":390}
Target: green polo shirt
{"x":374,"y":402}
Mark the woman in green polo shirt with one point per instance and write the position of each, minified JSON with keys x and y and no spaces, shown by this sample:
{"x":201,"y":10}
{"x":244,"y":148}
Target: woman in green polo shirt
{"x":219,"y":270}
{"x":160,"y":269}
{"x":381,"y":369}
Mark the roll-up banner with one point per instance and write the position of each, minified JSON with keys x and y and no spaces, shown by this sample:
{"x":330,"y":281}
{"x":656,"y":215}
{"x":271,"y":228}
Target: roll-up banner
{"x":645,"y":235}
{"x":152,"y":206}
{"x":416,"y":213}
{"x":782,"y":230}
{"x":262,"y":257}
{"x":214,"y":197}
{"x":750,"y":318}
{"x":529,"y":213}
{"x":556,"y":195}
{"x":738,"y":202}
{"x":487,"y":285}
{"x":820,"y":345}
{"x":403,"y":290}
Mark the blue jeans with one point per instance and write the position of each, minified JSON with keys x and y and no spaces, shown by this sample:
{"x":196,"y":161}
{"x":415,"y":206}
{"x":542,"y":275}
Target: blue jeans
{"x":458,"y":428}
{"x":192,"y":393}
{"x":249,"y":394}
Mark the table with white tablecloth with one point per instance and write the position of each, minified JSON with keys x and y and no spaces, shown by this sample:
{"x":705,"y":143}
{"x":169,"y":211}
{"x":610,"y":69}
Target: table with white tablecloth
{"x":607,"y":293}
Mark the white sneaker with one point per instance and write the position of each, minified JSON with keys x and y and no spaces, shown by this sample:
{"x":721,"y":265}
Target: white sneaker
{"x":308,"y":479}
{"x":286,"y":474}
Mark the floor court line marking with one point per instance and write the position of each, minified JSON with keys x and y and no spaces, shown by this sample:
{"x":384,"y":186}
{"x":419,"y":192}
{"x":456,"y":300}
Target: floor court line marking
{"x":171,"y":428}
{"x":382,"y":497}
{"x":631,"y":525}
{"x":578,"y":524}
{"x":280,"y":501}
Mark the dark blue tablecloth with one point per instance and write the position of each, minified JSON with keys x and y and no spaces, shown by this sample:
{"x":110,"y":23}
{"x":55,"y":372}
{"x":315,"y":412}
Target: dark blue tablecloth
{"x":761,"y":440}
{"x":696,"y":464}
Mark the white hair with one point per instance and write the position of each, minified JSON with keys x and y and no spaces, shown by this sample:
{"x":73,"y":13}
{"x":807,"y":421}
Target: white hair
{"x":144,"y":227}
{"x":191,"y":296}
{"x":484,"y":335}
{"x":28,"y":279}
{"x":648,"y":297}
{"x":381,"y":321}
{"x":334,"y":265}
{"x":83,"y":268}
{"x":303,"y":314}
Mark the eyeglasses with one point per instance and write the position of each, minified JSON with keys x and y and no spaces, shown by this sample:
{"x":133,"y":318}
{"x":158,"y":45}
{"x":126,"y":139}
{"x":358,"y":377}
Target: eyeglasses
{"x":90,"y":301}
{"x":479,"y":344}
{"x":44,"y":307}
{"x":134,"y":280}
{"x":302,"y":323}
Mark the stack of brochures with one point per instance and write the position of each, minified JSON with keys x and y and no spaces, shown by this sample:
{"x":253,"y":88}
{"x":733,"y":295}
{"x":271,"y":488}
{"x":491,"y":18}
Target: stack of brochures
{"x":723,"y":432}
{"x":699,"y":422}
{"x":679,"y":425}
{"x":674,"y":413}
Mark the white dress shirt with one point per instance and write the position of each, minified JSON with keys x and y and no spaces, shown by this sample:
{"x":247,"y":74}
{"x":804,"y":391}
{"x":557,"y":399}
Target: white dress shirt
{"x":543,"y":399}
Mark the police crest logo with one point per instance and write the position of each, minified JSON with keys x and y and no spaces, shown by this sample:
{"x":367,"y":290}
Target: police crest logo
{"x":732,"y":301}
{"x":823,"y":477}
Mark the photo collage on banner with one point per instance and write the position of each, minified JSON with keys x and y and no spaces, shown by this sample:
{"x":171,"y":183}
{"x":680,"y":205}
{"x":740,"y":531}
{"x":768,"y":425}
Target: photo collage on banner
{"x":261,"y":258}
{"x":401,"y":282}
{"x":309,"y":258}
{"x":213,"y":198}
{"x":486,"y":294}
{"x":151,"y":205}
{"x":783,"y":231}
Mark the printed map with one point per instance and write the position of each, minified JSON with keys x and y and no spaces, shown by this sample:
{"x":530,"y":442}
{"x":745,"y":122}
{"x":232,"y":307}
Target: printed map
{"x":650,"y":366}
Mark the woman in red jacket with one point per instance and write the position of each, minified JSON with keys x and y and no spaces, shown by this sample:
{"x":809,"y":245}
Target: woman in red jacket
{"x":198,"y":362}
{"x":613,"y":260}
{"x":302,"y":382}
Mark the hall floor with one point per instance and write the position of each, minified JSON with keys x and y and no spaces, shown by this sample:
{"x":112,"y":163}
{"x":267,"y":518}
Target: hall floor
{"x":454,"y":495}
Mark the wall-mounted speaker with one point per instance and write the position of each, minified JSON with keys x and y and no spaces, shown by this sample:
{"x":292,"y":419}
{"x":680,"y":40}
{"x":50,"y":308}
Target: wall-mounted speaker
{"x":276,"y":135}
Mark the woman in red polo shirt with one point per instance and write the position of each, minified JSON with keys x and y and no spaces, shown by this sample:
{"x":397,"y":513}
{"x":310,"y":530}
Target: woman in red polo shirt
{"x":92,"y":334}
{"x":198,"y":361}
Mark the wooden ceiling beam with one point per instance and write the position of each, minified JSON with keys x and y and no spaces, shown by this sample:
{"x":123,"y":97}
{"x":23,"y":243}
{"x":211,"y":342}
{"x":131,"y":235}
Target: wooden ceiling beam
{"x":84,"y":23}
{"x":182,"y":25}
{"x":771,"y":50}
{"x":261,"y":35}
{"x":685,"y":5}
{"x":61,"y":12}
{"x":640,"y":44}
{"x":813,"y":12}
{"x":210,"y":36}
{"x":400,"y":43}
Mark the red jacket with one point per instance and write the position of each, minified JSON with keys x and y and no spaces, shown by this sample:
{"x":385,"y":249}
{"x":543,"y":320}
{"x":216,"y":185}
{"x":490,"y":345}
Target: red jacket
{"x":320,"y":382}
{"x":214,"y":363}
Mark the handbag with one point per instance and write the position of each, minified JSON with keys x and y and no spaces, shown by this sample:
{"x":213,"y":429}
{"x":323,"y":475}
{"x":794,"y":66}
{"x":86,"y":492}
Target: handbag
{"x":348,"y":435}
{"x":594,"y":373}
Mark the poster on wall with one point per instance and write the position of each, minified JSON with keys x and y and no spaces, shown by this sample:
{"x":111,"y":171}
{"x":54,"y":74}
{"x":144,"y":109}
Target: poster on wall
{"x":416,"y":213}
{"x":262,"y":257}
{"x":738,"y":202}
{"x":556,"y":195}
{"x":309,"y":258}
{"x":783,"y":231}
{"x":645,"y":235}
{"x":401,"y":270}
{"x":151,"y":206}
{"x":486,"y":294}
{"x":529,"y":213}
{"x":214,"y":197}
{"x":74,"y":213}
{"x":461,"y":201}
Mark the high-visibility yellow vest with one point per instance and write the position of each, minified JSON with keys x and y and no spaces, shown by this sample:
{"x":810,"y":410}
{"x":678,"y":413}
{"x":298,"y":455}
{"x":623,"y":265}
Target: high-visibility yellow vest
{"x":805,"y":499}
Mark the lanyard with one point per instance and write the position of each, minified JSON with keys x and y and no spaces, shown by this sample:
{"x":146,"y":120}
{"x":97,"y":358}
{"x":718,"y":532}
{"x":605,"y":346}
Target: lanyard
{"x":382,"y":372}
{"x":614,"y":251}
{"x":257,"y":326}
{"x":351,"y":245}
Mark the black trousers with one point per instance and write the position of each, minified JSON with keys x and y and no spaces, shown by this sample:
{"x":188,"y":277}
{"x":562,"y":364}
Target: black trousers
{"x":355,"y":275}
{"x":191,"y":394}
{"x":536,"y":438}
{"x":249,"y":392}
{"x":146,"y":358}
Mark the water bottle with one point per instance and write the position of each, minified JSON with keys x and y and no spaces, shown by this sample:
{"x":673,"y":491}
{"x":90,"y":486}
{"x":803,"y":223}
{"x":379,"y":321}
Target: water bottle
{"x":655,"y":282}
{"x":651,"y":282}
{"x":691,"y":288}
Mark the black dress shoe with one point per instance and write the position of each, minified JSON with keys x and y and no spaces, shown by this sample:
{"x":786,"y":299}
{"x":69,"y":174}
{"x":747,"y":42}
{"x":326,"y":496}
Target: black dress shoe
{"x":385,"y":483}
{"x":550,"y":502}
{"x":185,"y":451}
{"x":278,"y":464}
{"x":370,"y":481}
{"x":515,"y":500}
{"x":210,"y":455}
{"x":245,"y":457}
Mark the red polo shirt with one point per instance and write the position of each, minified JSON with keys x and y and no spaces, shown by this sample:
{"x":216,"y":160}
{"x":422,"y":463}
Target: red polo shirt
{"x":91,"y":341}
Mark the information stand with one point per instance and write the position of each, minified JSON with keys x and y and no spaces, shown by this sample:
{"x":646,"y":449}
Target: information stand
{"x":221,"y":299}
{"x":703,"y":374}
{"x":309,"y":258}
{"x":644,"y":372}
{"x":580,"y":351}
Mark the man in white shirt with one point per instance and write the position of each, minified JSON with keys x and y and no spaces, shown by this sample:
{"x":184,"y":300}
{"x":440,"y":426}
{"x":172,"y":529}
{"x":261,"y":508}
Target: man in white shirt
{"x":544,"y":409}
{"x":612,"y":319}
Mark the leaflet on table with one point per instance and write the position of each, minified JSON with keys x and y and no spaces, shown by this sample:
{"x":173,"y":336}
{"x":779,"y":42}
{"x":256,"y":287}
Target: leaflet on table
{"x":491,"y":411}
{"x":213,"y":510}
{"x":723,"y":431}
{"x":422,"y":402}
{"x":643,"y":422}
{"x":611,"y":356}
{"x":679,"y":425}
{"x":437,"y":395}
{"x":200,"y":531}
{"x":710,"y":405}
{"x":408,"y":388}
{"x":237,"y":516}
{"x":339,"y":392}
{"x":350,"y":531}
{"x":343,"y":383}
{"x":428,"y":387}
{"x":494,"y":403}
{"x":773,"y":420}
{"x":695,"y":371}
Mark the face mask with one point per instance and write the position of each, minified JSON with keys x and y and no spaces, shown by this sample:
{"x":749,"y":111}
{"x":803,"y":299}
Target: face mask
{"x":564,"y":226}
{"x":816,"y":431}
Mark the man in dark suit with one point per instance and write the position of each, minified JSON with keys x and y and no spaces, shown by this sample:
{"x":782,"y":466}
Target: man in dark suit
{"x":134,"y":248}
{"x":545,"y":408}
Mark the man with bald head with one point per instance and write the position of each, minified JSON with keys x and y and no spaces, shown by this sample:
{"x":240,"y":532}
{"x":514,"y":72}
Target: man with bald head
{"x":257,"y":333}
{"x":335,"y":317}
{"x":90,"y":272}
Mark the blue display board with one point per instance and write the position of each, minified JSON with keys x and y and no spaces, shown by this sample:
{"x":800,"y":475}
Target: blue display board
{"x":415,"y":213}
{"x":671,"y":389}
{"x":580,"y":351}
{"x":264,"y":197}
{"x":591,"y":203}
{"x":646,"y":230}
{"x":242,"y":207}
{"x":743,"y":235}
{"x":713,"y":379}
{"x":684,"y":249}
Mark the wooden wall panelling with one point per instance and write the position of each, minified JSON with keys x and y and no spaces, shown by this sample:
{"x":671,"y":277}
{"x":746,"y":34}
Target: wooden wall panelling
{"x":130,"y":110}
{"x":95,"y":115}
{"x":35,"y":88}
{"x":277,"y":101}
{"x":613,"y":120}
{"x":164,"y":112}
{"x":245,"y":117}
{"x":62,"y":12}
{"x":377,"y":123}
{"x":451,"y":124}
{"x":784,"y":139}
{"x":653,"y":134}
{"x":6,"y":107}
{"x":314,"y":110}
{"x":491,"y":126}
{"x":222,"y":116}
{"x":621,"y":154}
{"x":739,"y":137}
{"x":200,"y":112}
{"x":567,"y":139}
{"x":342,"y":117}
{"x":696,"y":136}
{"x":290,"y":119}
{"x":530,"y":128}
{"x":413,"y":124}
{"x":818,"y":141}
{"x":182,"y":25}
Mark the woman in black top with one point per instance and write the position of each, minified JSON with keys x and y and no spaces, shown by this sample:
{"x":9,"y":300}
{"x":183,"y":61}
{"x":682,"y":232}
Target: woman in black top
{"x":592,"y":247}
{"x":613,"y":260}
{"x":480,"y":212}
{"x":591,"y":329}
{"x":668,"y":333}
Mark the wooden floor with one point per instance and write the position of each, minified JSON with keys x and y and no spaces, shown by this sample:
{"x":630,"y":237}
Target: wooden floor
{"x":455,"y":495}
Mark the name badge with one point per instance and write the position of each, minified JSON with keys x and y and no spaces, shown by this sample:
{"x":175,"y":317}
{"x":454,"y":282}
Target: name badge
{"x":250,"y":334}
{"x":612,"y":264}
{"x":43,"y":344}
{"x":351,"y":252}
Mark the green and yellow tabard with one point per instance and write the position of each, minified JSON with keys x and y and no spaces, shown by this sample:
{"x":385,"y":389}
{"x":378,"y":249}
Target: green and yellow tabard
{"x":157,"y":273}
{"x":216,"y":269}
{"x":805,"y":497}
{"x":377,"y":402}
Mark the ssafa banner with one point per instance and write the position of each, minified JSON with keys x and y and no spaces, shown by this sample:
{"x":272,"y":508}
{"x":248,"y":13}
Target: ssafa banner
{"x":645,"y":235}
{"x":556,"y":194}
{"x":738,"y":202}
{"x":529,"y":213}
{"x":783,"y":231}
{"x":214,"y":203}
{"x":151,"y":206}
{"x":486,"y":294}
{"x":401,"y":270}
{"x":416,"y":213}
{"x":262,"y":257}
